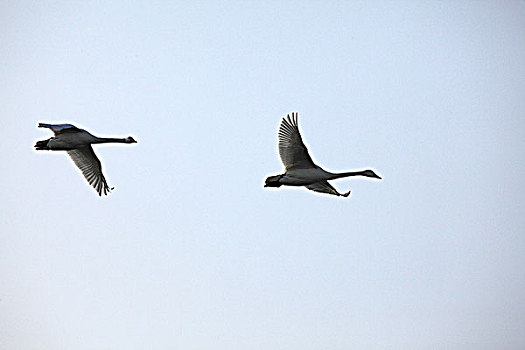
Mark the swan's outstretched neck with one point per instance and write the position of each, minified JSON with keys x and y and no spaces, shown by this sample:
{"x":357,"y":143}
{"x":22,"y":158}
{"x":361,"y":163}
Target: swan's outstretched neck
{"x":346,"y":174}
{"x":367,"y":173}
{"x":109,"y":140}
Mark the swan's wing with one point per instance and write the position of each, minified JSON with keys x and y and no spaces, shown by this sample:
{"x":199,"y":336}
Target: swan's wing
{"x":325,"y":187}
{"x":292,"y":150}
{"x":60,"y":128}
{"x":86,"y":160}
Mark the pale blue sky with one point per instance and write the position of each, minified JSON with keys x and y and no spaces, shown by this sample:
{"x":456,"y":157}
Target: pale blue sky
{"x":190,"y":251}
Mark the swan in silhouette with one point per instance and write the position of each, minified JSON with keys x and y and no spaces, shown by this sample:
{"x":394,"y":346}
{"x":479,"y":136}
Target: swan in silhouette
{"x":299,"y":166}
{"x":77,"y":143}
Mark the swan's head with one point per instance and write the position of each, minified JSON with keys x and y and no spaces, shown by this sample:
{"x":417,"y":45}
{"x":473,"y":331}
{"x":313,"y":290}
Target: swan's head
{"x":370,"y":173}
{"x":130,"y":139}
{"x":273,"y":181}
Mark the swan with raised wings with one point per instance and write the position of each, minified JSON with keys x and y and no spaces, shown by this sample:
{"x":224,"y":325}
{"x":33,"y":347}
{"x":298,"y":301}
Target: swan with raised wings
{"x":77,"y":143}
{"x":300,"y":170}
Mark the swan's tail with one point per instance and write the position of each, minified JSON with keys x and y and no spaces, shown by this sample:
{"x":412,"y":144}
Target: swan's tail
{"x":42,"y":145}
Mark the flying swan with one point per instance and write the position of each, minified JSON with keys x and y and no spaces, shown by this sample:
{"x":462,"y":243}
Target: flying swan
{"x":77,"y":143}
{"x":300,"y":170}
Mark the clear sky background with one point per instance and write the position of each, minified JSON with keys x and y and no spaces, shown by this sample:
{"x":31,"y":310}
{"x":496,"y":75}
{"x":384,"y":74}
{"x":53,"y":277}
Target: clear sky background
{"x":190,"y":251}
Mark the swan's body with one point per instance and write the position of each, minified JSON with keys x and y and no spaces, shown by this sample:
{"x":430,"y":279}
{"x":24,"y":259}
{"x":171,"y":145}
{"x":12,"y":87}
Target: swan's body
{"x":300,"y":168}
{"x":77,"y":143}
